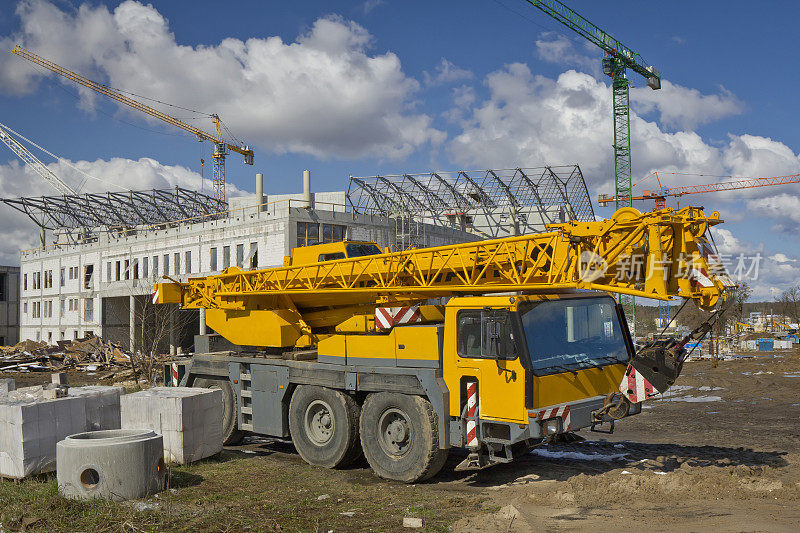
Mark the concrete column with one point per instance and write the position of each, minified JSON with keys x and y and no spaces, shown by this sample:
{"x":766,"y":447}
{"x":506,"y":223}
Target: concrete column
{"x":173,"y":348}
{"x":202,"y":322}
{"x":132,"y":322}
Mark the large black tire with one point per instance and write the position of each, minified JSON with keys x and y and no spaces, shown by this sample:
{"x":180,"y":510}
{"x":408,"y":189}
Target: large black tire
{"x":400,"y":437}
{"x":324,"y":426}
{"x":231,"y":435}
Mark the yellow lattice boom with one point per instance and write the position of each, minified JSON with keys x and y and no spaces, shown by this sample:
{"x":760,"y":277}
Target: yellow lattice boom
{"x":658,"y":255}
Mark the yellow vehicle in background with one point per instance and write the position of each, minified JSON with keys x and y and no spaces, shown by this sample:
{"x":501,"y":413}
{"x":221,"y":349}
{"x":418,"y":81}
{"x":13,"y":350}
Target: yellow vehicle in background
{"x":353,"y":357}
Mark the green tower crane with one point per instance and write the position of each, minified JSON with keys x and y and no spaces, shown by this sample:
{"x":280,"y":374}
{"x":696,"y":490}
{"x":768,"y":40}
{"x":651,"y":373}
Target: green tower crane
{"x":618,"y":59}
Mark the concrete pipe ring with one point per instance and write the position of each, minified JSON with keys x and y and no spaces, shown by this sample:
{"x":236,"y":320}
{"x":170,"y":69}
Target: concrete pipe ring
{"x":115,"y":464}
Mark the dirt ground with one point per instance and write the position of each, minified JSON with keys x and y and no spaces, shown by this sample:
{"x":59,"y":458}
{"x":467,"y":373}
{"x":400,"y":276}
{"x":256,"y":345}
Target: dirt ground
{"x":720,"y":453}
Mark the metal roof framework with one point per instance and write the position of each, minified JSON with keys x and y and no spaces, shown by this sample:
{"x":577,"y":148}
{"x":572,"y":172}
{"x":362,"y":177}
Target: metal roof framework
{"x":111,"y":211}
{"x":448,"y":193}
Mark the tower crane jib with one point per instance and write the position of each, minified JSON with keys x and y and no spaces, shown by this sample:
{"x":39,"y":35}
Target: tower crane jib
{"x":221,"y":147}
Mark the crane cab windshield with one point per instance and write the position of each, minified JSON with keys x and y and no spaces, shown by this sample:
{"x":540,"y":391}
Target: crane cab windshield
{"x":575,"y":333}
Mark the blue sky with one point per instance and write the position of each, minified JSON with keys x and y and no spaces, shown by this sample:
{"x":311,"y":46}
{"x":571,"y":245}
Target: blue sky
{"x":375,"y":87}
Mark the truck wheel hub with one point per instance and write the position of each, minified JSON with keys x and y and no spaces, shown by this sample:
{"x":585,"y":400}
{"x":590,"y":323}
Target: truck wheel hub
{"x":319,"y":424}
{"x":394,"y":432}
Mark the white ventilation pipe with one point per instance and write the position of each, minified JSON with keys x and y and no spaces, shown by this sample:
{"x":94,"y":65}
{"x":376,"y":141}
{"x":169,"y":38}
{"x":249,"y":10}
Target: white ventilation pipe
{"x":259,"y":191}
{"x":307,"y":198}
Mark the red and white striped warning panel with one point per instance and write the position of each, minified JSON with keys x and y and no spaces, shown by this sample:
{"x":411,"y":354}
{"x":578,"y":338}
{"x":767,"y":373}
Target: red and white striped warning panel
{"x":556,"y":412}
{"x":155,"y":297}
{"x":472,"y":414}
{"x":388,"y":317}
{"x":174,"y":371}
{"x":699,"y":277}
{"x":635,"y":387}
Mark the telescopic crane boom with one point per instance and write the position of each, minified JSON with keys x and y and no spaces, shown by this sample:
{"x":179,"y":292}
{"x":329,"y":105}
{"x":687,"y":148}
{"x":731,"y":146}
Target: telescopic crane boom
{"x":633,"y":253}
{"x":221,"y":147}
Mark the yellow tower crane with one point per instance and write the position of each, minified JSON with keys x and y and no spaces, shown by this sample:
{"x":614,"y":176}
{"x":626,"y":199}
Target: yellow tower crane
{"x":221,"y":147}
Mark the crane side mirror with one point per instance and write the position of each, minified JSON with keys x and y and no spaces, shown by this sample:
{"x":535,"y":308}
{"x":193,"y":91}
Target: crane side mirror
{"x":497,"y":335}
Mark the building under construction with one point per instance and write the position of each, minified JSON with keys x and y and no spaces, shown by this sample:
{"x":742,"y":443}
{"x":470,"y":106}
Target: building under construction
{"x":101,"y":253}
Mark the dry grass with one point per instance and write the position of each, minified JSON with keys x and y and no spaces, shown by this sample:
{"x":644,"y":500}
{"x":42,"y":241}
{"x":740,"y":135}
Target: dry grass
{"x":238,"y":491}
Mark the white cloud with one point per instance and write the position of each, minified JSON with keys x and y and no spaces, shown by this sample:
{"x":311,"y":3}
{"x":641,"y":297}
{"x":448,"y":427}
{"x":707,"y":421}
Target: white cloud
{"x":556,"y":48}
{"x":446,"y":72}
{"x":369,"y":5}
{"x":783,"y":208}
{"x":323,"y":94}
{"x":782,"y":258}
{"x":726,"y":242}
{"x":682,"y":107}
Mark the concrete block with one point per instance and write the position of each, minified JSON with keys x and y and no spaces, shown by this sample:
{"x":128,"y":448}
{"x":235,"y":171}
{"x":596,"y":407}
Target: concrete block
{"x":7,"y":385}
{"x":30,"y":426}
{"x":189,"y":420}
{"x":58,"y":378}
{"x":102,"y":406}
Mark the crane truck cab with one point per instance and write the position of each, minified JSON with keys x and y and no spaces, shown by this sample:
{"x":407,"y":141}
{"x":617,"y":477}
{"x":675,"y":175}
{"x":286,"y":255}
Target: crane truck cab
{"x":330,"y":251}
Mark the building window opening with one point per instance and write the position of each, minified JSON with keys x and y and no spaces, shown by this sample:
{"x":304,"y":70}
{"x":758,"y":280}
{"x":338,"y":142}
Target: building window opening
{"x":307,"y":233}
{"x":226,"y":257}
{"x":333,"y":233}
{"x":213,"y":260}
{"x":253,"y":255}
{"x":88,"y":276}
{"x":240,"y":255}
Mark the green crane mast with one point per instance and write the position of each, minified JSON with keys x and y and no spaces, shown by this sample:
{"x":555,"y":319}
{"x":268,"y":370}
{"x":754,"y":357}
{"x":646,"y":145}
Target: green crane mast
{"x":618,"y":59}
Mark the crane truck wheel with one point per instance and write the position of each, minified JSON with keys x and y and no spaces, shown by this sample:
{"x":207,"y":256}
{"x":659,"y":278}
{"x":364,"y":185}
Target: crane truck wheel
{"x":400,"y":437}
{"x":231,"y":436}
{"x":324,"y":426}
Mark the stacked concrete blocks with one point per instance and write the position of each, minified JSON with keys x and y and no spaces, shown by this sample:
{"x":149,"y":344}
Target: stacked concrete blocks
{"x":30,"y":427}
{"x":31,"y":424}
{"x":7,"y":385}
{"x":102,"y":406}
{"x":189,"y":420}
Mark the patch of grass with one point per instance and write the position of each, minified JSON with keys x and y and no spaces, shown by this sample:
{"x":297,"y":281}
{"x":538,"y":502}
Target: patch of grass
{"x":235,"y":492}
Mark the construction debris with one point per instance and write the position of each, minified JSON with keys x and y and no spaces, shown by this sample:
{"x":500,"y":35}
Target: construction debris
{"x":90,"y":354}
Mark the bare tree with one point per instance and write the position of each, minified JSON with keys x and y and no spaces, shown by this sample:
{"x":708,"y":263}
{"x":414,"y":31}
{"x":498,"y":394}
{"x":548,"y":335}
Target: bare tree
{"x":789,"y":303}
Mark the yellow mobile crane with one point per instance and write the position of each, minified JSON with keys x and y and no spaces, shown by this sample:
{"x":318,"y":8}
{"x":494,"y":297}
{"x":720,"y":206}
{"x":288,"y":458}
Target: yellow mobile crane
{"x":530,"y":345}
{"x":221,"y":147}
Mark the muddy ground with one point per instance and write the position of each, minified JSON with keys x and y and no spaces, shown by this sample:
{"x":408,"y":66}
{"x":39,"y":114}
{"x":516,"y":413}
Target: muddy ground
{"x":720,"y":453}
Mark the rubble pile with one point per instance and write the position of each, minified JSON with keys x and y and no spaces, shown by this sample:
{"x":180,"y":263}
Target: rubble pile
{"x":90,"y":354}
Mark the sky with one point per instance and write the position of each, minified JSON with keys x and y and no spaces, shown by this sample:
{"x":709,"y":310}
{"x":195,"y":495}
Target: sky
{"x":388,"y":86}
